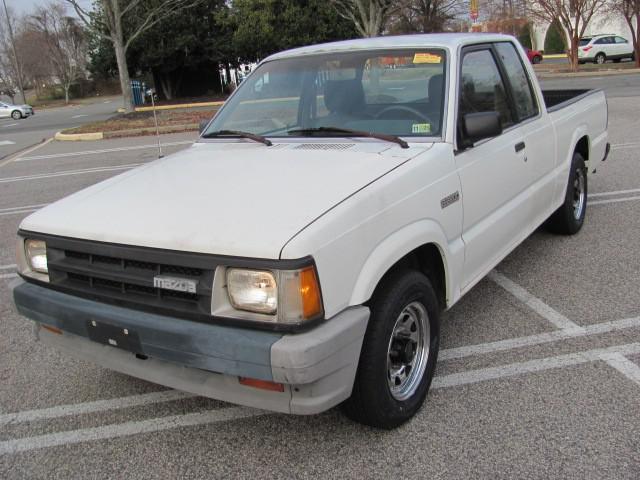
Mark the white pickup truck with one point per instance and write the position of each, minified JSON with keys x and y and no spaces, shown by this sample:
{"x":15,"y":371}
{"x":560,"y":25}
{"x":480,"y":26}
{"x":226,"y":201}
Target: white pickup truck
{"x":300,"y":253}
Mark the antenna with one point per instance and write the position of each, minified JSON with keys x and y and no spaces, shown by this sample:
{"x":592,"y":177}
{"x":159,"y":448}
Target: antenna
{"x":155,"y":119}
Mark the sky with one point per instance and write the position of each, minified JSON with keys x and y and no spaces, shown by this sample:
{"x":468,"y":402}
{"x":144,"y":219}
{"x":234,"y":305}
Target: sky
{"x":25,"y":6}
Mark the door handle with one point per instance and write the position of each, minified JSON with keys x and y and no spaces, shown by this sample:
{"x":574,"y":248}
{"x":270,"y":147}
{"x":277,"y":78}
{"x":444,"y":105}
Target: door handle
{"x":519,"y":146}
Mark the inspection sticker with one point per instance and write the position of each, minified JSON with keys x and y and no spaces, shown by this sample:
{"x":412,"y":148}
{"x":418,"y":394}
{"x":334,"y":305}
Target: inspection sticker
{"x":421,"y":128}
{"x":426,"y":58}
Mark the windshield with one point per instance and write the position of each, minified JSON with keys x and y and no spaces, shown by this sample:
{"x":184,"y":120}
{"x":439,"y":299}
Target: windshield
{"x":395,"y":92}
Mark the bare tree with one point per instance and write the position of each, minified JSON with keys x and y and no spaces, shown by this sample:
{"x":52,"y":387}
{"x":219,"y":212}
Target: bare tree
{"x":65,"y":43}
{"x":108,"y":23}
{"x":630,"y":10}
{"x":368,"y":16}
{"x":573,"y":16}
{"x":423,"y":16}
{"x":12,"y":65}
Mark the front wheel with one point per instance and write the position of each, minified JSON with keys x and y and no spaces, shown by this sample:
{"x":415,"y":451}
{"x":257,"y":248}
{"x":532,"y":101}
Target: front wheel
{"x":399,"y":352}
{"x":569,"y":218}
{"x":537,"y":59}
{"x":16,"y":115}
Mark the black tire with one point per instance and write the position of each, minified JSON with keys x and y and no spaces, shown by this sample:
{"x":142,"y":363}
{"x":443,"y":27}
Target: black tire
{"x":16,"y":115}
{"x":372,"y":401}
{"x":600,"y":58}
{"x":566,"y":220}
{"x":537,"y":59}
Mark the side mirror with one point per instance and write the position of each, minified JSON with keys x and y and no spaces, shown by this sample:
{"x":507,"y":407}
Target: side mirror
{"x":202,"y":126}
{"x":480,"y":125}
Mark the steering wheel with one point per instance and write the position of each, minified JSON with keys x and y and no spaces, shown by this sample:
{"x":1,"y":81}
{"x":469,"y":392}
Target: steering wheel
{"x":403,"y":108}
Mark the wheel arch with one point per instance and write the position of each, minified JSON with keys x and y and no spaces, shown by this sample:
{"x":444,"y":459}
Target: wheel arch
{"x":420,"y":246}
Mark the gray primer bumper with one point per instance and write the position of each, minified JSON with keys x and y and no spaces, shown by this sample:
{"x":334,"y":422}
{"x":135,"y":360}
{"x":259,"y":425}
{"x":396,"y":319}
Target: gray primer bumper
{"x":317,"y":367}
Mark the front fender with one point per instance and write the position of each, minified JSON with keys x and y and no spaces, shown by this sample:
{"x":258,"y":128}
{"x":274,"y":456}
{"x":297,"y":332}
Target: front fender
{"x":392,"y":249}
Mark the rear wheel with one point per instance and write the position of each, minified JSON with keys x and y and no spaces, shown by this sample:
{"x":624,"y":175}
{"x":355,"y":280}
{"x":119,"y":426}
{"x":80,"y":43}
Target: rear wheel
{"x":537,"y":59}
{"x":600,"y":58}
{"x":399,"y":352}
{"x":16,"y":115}
{"x":569,"y":218}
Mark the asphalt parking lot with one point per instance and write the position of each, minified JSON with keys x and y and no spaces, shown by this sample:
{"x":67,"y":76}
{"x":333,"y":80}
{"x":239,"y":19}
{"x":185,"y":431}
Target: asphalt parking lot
{"x":539,"y":371}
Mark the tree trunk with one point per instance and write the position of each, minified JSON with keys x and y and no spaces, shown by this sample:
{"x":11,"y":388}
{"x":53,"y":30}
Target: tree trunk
{"x":66,"y":93}
{"x":123,"y":72}
{"x":573,"y":52}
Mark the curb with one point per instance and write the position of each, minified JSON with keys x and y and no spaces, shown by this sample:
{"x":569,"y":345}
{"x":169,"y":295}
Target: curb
{"x":78,"y":137}
{"x":173,"y":107}
{"x":134,"y":132}
{"x":595,"y":73}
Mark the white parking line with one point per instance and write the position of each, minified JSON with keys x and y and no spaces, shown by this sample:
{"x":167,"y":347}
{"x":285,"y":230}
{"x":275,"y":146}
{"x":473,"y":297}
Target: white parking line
{"x":10,"y":125}
{"x":8,"y":267}
{"x":22,"y":207}
{"x":4,"y":276}
{"x":623,"y":365}
{"x":624,"y":145}
{"x":127,"y":429}
{"x":65,"y":173}
{"x":534,"y":303}
{"x":614,"y":200}
{"x":6,"y":142}
{"x":104,"y":150}
{"x":615,"y":192}
{"x":80,"y":115}
{"x":538,"y":365}
{"x":16,"y":212}
{"x":236,"y":413}
{"x":93,"y":407}
{"x":531,"y":340}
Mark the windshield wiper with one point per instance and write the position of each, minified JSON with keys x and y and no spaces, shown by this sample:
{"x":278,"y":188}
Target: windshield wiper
{"x":238,"y":133}
{"x":349,"y":132}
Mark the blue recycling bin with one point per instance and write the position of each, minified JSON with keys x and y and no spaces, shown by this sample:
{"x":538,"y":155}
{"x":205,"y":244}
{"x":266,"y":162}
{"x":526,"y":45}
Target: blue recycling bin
{"x":136,"y":90}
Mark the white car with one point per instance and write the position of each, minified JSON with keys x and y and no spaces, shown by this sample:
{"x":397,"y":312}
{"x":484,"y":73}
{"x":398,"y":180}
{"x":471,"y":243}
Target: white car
{"x":15,"y":111}
{"x":300,"y":254}
{"x":600,"y":48}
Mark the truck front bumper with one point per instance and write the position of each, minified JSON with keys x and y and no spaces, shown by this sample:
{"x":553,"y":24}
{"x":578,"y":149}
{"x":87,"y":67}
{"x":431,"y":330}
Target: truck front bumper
{"x":317,"y":368}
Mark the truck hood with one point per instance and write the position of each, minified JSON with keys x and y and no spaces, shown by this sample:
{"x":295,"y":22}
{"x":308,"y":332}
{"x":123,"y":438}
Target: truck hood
{"x":240,"y":199}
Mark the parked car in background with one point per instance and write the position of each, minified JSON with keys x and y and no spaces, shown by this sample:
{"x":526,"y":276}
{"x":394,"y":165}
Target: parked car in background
{"x":15,"y":111}
{"x":600,"y":48}
{"x":534,"y":56}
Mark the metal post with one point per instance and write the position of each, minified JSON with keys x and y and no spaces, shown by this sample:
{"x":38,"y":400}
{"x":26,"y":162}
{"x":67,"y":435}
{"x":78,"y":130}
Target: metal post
{"x":155,"y":119}
{"x":15,"y":55}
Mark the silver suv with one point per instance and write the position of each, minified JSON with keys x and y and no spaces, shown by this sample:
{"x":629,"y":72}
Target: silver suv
{"x":600,"y":48}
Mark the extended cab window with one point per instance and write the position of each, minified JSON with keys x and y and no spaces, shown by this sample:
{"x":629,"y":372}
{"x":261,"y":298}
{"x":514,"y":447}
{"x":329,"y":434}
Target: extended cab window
{"x":482,"y":88}
{"x":523,"y":96}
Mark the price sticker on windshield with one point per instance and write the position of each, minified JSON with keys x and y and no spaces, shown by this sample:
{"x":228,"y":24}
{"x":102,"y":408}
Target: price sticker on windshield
{"x":427,"y":58}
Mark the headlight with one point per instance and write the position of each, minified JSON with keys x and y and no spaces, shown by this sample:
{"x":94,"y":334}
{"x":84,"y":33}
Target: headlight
{"x":254,"y":291}
{"x":286,"y":296}
{"x":36,"y":253}
{"x":31,"y":257}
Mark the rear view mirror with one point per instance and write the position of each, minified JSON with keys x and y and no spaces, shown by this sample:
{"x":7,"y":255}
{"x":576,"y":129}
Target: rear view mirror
{"x":203,"y":125}
{"x":480,"y":125}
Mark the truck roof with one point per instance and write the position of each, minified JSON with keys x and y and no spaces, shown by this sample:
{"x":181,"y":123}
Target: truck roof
{"x":442,"y":40}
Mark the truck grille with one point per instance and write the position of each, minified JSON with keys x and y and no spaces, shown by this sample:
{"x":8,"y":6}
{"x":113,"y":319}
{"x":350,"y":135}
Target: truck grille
{"x":124,"y":275}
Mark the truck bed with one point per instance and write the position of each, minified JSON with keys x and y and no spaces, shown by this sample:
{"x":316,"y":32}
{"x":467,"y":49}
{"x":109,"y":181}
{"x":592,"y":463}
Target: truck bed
{"x":557,"y":99}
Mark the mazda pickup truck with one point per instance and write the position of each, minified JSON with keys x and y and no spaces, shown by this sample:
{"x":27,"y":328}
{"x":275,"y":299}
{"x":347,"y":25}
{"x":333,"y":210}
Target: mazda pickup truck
{"x":299,"y":254}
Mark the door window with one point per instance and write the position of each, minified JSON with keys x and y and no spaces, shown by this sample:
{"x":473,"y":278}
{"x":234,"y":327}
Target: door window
{"x":523,"y":96}
{"x":482,"y":88}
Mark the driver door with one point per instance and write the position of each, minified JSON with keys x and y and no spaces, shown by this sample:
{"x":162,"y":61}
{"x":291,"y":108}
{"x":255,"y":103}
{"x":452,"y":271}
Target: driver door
{"x":493,"y":172}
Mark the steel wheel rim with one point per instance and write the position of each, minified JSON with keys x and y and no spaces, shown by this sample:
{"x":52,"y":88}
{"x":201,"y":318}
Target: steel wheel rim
{"x":408,"y":351}
{"x":600,"y":59}
{"x":578,"y":194}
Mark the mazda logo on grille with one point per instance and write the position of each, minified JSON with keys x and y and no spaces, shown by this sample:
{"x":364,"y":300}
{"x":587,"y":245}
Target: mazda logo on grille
{"x":174,"y":283}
